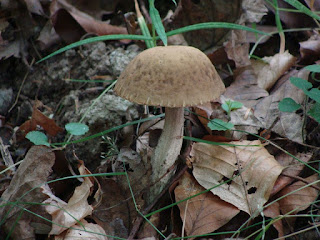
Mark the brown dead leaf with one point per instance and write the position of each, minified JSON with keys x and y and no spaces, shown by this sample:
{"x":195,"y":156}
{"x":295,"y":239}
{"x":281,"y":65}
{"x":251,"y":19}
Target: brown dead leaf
{"x":273,"y":211}
{"x":38,"y":118}
{"x":92,"y":232}
{"x":298,"y":200}
{"x":310,"y":50}
{"x":204,"y":213}
{"x":252,"y":169}
{"x":245,"y":88}
{"x":270,"y":69}
{"x":292,"y":167}
{"x":191,"y":12}
{"x":78,"y":19}
{"x":66,"y":215}
{"x":24,"y":187}
{"x":267,"y":110}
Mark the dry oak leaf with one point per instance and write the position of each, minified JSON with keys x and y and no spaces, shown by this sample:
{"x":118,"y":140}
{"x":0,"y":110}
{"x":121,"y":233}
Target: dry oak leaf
{"x":273,"y":211}
{"x":204,"y":213}
{"x":248,"y":166}
{"x":66,"y":215}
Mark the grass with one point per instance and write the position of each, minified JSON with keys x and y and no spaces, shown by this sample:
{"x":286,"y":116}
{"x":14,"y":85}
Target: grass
{"x":150,"y":40}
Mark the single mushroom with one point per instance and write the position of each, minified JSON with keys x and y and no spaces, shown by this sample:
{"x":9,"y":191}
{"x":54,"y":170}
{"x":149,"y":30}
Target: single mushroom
{"x":173,"y":77}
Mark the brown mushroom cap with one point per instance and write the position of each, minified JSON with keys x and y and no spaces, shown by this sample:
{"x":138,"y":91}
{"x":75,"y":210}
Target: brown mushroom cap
{"x":171,"y":76}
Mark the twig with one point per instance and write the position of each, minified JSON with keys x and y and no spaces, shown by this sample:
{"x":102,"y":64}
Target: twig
{"x":300,"y":179}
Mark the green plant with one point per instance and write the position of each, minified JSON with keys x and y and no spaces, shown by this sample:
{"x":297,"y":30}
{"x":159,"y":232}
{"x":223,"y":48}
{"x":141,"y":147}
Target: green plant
{"x":289,"y":105}
{"x":39,"y":138}
{"x":220,"y":125}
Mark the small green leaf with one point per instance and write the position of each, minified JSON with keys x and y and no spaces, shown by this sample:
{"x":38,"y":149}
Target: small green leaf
{"x":235,"y":105}
{"x":225,"y":107}
{"x":157,"y":22}
{"x":303,"y":84}
{"x":313,"y":68}
{"x":77,"y":128}
{"x":38,"y":138}
{"x":288,"y":105}
{"x":219,"y":125}
{"x":314,"y":94}
{"x":315,"y":112}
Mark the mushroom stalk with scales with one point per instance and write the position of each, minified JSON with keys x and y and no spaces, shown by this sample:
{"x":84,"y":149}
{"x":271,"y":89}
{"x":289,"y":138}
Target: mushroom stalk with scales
{"x":173,"y":77}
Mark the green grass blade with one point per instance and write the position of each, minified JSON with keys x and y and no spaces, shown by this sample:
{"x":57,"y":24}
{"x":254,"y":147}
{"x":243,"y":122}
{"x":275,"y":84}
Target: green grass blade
{"x":210,"y":25}
{"x":157,"y":22}
{"x":96,"y":39}
{"x":303,"y":8}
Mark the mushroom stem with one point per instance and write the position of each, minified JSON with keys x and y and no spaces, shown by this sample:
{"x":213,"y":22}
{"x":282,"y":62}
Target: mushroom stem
{"x":168,"y":148}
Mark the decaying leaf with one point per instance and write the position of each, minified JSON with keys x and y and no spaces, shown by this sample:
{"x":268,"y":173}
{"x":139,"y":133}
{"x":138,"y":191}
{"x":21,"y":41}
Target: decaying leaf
{"x":267,"y":111}
{"x":245,"y":88}
{"x":92,"y":232}
{"x":298,"y":199}
{"x":24,"y":187}
{"x":66,"y":215}
{"x":270,"y":69}
{"x":252,"y":172}
{"x":204,"y":213}
{"x":292,"y":167}
{"x":273,"y":211}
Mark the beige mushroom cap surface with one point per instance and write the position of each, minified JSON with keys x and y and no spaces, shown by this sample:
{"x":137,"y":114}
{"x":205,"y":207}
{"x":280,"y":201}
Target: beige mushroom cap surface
{"x":171,"y":76}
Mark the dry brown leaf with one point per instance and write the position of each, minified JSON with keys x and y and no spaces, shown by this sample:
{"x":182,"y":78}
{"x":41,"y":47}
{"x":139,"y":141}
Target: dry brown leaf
{"x":310,"y":50}
{"x":190,"y":12}
{"x":24,"y":187}
{"x":245,"y":89}
{"x":92,"y":232}
{"x":204,"y":213}
{"x":267,"y":111}
{"x":270,"y":69}
{"x":66,"y":215}
{"x":273,"y":211}
{"x":301,"y":199}
{"x":62,"y":9}
{"x":258,"y":170}
{"x":292,"y":167}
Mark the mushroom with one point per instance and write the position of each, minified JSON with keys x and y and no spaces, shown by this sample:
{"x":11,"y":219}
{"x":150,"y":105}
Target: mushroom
{"x":173,"y":77}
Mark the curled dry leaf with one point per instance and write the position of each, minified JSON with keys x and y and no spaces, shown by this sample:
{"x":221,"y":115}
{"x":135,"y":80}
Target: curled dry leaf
{"x":270,"y":69}
{"x":252,"y":172}
{"x":204,"y":213}
{"x":66,"y":215}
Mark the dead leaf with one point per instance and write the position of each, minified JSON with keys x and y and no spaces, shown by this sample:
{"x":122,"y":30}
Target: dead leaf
{"x":191,"y":12}
{"x":84,"y":230}
{"x":310,"y":50}
{"x":24,"y":187}
{"x":204,"y":213}
{"x":291,"y":166}
{"x":61,"y":9}
{"x":273,"y":211}
{"x":267,"y":110}
{"x":34,"y":6}
{"x":252,"y":169}
{"x":66,"y":215}
{"x":254,"y":10}
{"x":38,"y":118}
{"x":298,"y":200}
{"x":245,"y":88}
{"x":270,"y":69}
